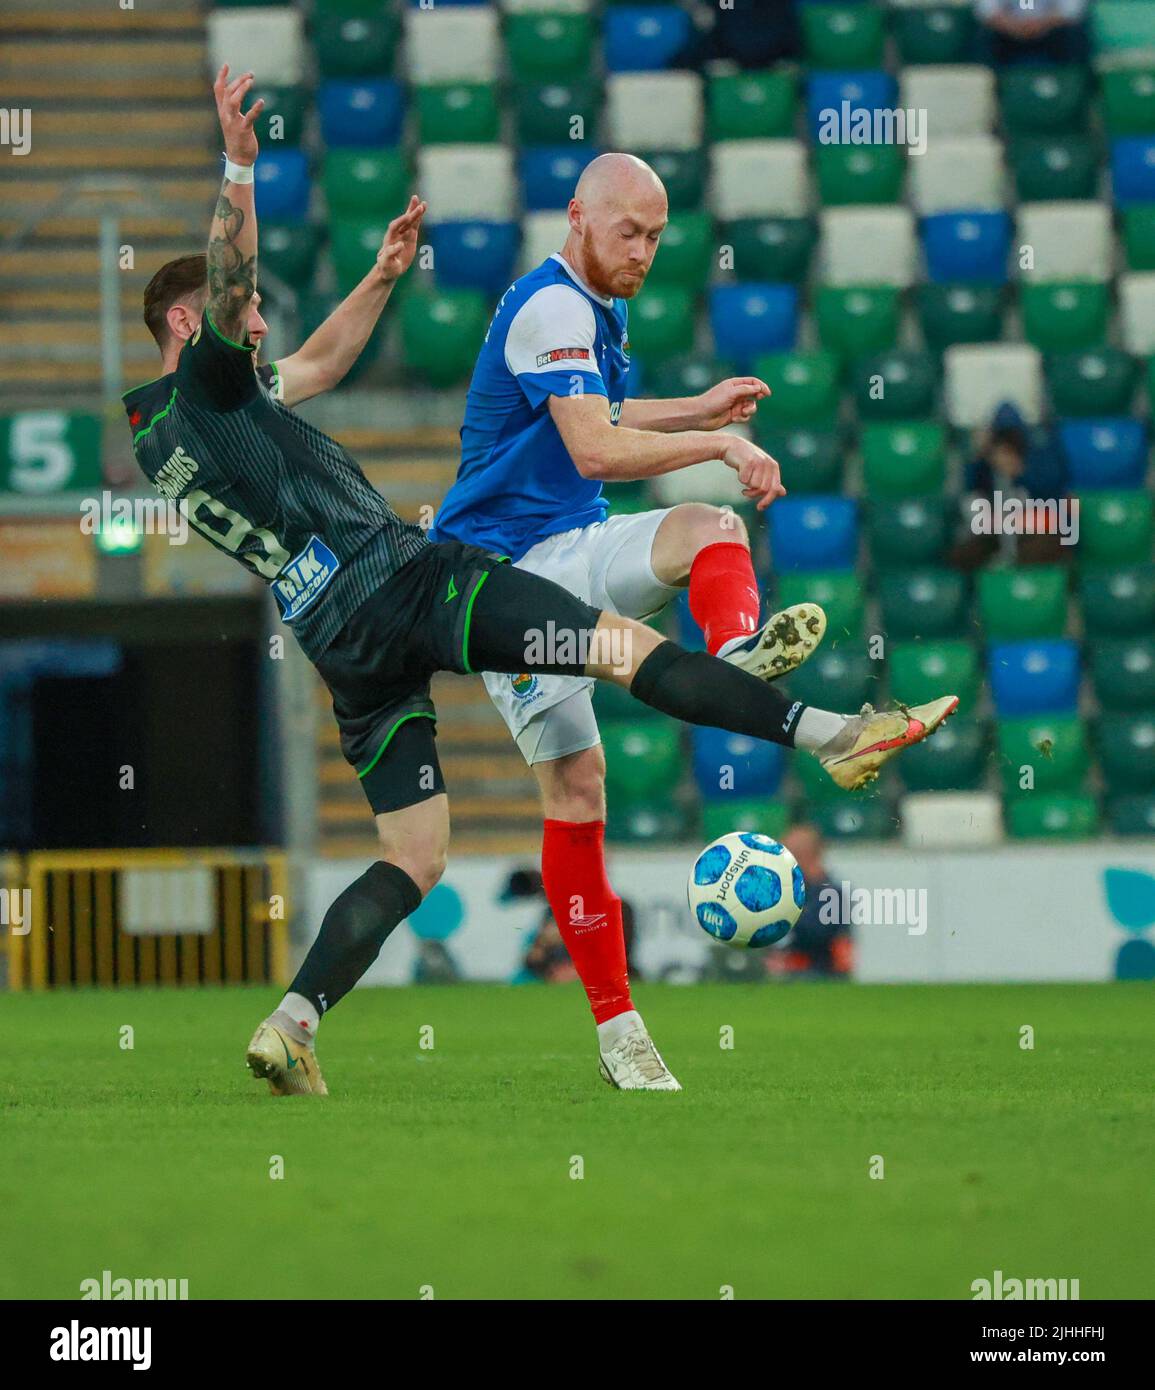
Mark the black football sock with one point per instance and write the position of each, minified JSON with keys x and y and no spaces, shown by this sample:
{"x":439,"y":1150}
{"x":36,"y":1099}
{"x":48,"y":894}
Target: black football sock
{"x":701,"y":689}
{"x":352,"y":933}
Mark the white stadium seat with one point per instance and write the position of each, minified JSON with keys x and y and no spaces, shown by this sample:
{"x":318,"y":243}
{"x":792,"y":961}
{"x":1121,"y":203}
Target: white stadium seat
{"x":958,"y":98}
{"x":271,"y":42}
{"x":958,"y":173}
{"x":466,"y":182}
{"x":712,"y":482}
{"x":542,"y":233}
{"x":980,"y":376}
{"x":1137,"y":312}
{"x":453,"y":43}
{"x":553,"y":6}
{"x":868,"y":246}
{"x":759,"y":178}
{"x":1070,"y":241}
{"x":951,"y":820}
{"x":654,"y":110}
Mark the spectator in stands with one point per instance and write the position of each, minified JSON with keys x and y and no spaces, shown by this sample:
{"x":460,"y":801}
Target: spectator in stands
{"x":547,"y":958}
{"x":1034,"y":31}
{"x":816,"y":944}
{"x":751,"y":33}
{"x":1011,"y":461}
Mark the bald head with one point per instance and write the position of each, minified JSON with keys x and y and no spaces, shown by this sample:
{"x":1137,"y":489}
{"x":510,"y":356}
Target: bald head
{"x":618,"y":180}
{"x":616,"y":216}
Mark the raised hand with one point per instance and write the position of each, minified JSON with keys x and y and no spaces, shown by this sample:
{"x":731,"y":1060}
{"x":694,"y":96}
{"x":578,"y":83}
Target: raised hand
{"x":731,"y":402}
{"x":237,"y":126}
{"x":399,"y":245}
{"x":757,"y":471}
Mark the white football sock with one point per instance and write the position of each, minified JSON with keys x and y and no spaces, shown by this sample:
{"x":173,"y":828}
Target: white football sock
{"x":299,"y":1017}
{"x":817,"y":727}
{"x":613,"y":1028}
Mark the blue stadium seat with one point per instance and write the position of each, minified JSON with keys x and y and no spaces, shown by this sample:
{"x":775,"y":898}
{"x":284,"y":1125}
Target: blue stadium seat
{"x":474,"y":255}
{"x":731,"y":765}
{"x":686,"y":630}
{"x":867,"y":90}
{"x":1133,"y":170}
{"x":548,"y":174}
{"x":361,"y":112}
{"x":750,"y":319}
{"x":813,"y":533}
{"x":1105,"y":453}
{"x":282,"y":186}
{"x":645,"y":38}
{"x":1040,"y":677}
{"x":967,"y":246}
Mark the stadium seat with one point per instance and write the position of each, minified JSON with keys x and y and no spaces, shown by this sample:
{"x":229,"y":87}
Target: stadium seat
{"x":542,"y":233}
{"x":711,"y":481}
{"x":365,"y":183}
{"x":684,"y":174}
{"x":662,"y":323}
{"x":827,"y":92}
{"x":1126,"y":747}
{"x":842,"y":36}
{"x":950,"y":314}
{"x":1136,"y":292}
{"x":549,"y":174}
{"x":859,"y":173}
{"x":615,"y":703}
{"x":1049,"y":751}
{"x":1097,"y":382}
{"x":958,"y":98}
{"x":1121,"y":28}
{"x":1038,"y":99}
{"x":865,"y":818}
{"x":758,"y":178}
{"x":236,"y":36}
{"x":659,"y":823}
{"x":804,"y":389}
{"x":951,"y":819}
{"x":1123,"y":672}
{"x":979,"y":377}
{"x":1133,"y":170}
{"x":751,"y":106}
{"x":1105,"y":453}
{"x":441,"y":333}
{"x":356,"y":45}
{"x":1065,"y":316}
{"x":457,"y":113}
{"x":467,"y":183}
{"x":474,"y":255}
{"x":837,"y":678}
{"x":958,"y":173}
{"x":813,"y":533}
{"x":895,"y":386}
{"x":955,"y":759}
{"x":1139,"y":236}
{"x":934,"y":33}
{"x":858,"y":320}
{"x":644,"y":38}
{"x":967,"y":246}
{"x":643,"y":760}
{"x":903,"y":460}
{"x":837,"y":592}
{"x":353,"y":246}
{"x":1128,"y":97}
{"x":775,"y":249}
{"x":361,"y":113}
{"x":749,"y":319}
{"x":686,"y":376}
{"x":1132,"y":815}
{"x":744,"y":813}
{"x":1053,"y":166}
{"x":1068,"y":241}
{"x":1118,"y":600}
{"x":1115,"y":528}
{"x":911,"y":534}
{"x":686,"y":254}
{"x":1053,"y":817}
{"x":1034,"y":677}
{"x":921,"y":671}
{"x":546,"y":114}
{"x":1030,"y":601}
{"x":282,"y":186}
{"x":868,"y":246}
{"x":289,"y":250}
{"x":282,"y":121}
{"x":812,"y":459}
{"x":727,"y":765}
{"x":549,"y":45}
{"x":452,"y":43}
{"x":928,"y":603}
{"x":654,"y":110}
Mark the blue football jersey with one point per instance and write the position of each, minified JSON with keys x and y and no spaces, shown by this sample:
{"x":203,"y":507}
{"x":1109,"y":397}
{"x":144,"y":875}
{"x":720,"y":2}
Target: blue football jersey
{"x":550,"y":336}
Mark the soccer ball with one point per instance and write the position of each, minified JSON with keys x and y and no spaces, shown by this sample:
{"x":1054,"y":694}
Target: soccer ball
{"x":746,"y":889}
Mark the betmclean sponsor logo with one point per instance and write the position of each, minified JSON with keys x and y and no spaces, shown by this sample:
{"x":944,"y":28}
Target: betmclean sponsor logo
{"x":884,"y":125}
{"x":1003,"y":1287}
{"x":1008,"y":515}
{"x":570,"y":354}
{"x":76,"y":1343}
{"x":110,"y":1289}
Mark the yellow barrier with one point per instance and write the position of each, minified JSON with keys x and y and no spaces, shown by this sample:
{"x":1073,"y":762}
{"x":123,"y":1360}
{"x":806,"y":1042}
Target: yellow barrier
{"x":77,"y":935}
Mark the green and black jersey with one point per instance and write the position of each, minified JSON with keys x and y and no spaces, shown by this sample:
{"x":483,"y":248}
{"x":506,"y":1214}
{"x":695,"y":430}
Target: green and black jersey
{"x":266,"y":487}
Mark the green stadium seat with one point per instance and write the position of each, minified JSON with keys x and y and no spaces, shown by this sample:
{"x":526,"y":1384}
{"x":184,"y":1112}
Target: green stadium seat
{"x":289,"y":250}
{"x":906,"y":459}
{"x":327,"y":7}
{"x":843,"y":37}
{"x":353,"y":246}
{"x":1123,"y":672}
{"x":615,"y":704}
{"x":653,"y":823}
{"x":644,"y":761}
{"x":1126,"y":744}
{"x":921,"y":671}
{"x":545,"y":111}
{"x":1121,"y":25}
{"x":910,"y":534}
{"x":855,"y":321}
{"x":935,"y":34}
{"x":686,"y":376}
{"x":773,"y":249}
{"x":357,"y":45}
{"x":1132,"y":815}
{"x":1016,"y":604}
{"x":1062,"y":316}
{"x":457,"y":113}
{"x":365,"y":183}
{"x":686,"y":255}
{"x":1139,"y":236}
{"x":1054,"y":747}
{"x":838,"y":592}
{"x":812,"y":460}
{"x":955,"y":759}
{"x":815,"y":782}
{"x":837,"y":677}
{"x":441,"y":333}
{"x":859,"y":173}
{"x":662,"y":324}
{"x":544,"y":46}
{"x":1056,"y":817}
{"x":1046,"y":167}
{"x":1099,"y":381}
{"x":1128,"y":101}
{"x":683,"y":172}
{"x":1044,"y":100}
{"x":1119,"y":600}
{"x":952,"y":314}
{"x":744,"y":813}
{"x":804,"y":389}
{"x":282,"y":123}
{"x":751,"y":106}
{"x":895,"y":386}
{"x":1115,"y":528}
{"x":860,"y":818}
{"x":926,"y":603}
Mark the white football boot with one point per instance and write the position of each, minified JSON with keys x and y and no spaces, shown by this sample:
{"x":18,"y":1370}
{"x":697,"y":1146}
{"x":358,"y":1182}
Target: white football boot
{"x":782,"y":643}
{"x":872,"y":738}
{"x":288,"y":1066}
{"x":633,"y":1063}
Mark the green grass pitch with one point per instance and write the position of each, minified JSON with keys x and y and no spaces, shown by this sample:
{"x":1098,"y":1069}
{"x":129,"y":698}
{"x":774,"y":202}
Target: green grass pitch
{"x":451,"y":1168}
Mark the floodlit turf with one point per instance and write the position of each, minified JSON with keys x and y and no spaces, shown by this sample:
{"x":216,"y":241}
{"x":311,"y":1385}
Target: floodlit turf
{"x":451,"y":1168}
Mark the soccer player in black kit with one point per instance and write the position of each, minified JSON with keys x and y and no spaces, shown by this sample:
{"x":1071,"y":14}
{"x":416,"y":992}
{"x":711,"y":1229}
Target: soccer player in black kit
{"x":373,"y":603}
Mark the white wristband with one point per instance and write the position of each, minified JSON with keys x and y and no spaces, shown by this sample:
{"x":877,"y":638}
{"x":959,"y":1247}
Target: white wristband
{"x":238,"y":173}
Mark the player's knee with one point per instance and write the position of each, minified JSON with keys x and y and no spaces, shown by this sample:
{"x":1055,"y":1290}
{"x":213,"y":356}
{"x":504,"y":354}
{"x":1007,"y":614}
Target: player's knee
{"x":424,"y":866}
{"x":704,"y":525}
{"x":574,"y":787}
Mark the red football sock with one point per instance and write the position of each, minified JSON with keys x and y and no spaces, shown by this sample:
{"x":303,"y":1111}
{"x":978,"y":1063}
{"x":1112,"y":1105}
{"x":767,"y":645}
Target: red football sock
{"x":724,"y":596}
{"x":587,"y":911}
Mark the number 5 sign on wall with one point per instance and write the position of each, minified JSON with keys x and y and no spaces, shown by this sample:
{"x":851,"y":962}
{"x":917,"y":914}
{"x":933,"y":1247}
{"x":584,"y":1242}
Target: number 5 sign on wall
{"x":46,"y":451}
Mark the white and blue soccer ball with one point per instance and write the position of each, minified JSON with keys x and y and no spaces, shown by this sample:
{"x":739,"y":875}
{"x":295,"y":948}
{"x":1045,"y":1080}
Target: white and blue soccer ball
{"x":746,"y":889}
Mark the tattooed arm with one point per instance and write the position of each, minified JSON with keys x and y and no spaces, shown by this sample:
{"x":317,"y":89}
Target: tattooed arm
{"x":232,"y":253}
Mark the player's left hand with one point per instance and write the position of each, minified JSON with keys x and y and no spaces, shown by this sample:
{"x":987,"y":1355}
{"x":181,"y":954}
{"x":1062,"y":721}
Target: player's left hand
{"x":400,"y":243}
{"x":731,"y":402}
{"x":236,"y":125}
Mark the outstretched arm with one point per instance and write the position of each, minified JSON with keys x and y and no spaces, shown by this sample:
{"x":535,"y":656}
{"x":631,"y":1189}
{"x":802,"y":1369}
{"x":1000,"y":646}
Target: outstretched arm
{"x":232,"y":253}
{"x":731,"y":402}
